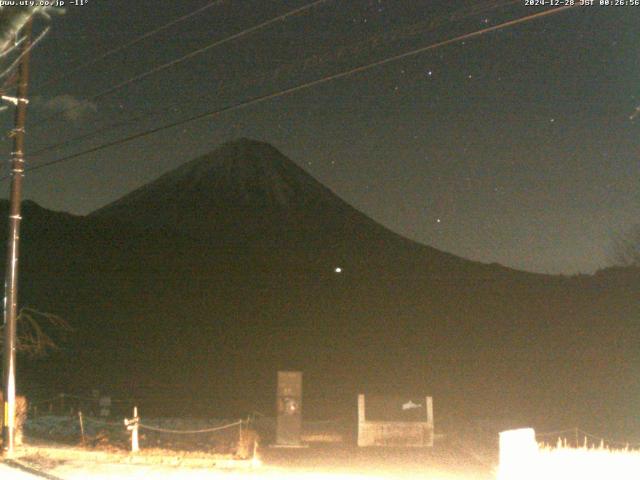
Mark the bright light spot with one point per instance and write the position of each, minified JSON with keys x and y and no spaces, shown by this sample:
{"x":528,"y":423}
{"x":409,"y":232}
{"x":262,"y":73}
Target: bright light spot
{"x":518,"y":453}
{"x":438,"y":220}
{"x":338,"y":270}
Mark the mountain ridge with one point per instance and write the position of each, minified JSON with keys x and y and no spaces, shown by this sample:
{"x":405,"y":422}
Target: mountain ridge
{"x":222,"y":312}
{"x":248,"y":192}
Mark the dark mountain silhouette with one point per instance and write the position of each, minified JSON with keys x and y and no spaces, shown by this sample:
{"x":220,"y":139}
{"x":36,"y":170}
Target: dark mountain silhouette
{"x":247,"y":194}
{"x":191,"y":292}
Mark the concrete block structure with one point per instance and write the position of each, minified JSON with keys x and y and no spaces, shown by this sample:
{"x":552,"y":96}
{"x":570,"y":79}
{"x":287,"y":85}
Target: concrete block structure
{"x":395,"y":421}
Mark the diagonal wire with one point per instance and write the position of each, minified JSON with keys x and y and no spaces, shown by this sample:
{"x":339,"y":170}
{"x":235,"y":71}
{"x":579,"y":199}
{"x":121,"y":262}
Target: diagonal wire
{"x":300,"y":87}
{"x":12,"y":48}
{"x":608,"y":441}
{"x":555,"y":432}
{"x":133,"y":42}
{"x":149,"y":113}
{"x":95,"y":133}
{"x":15,"y":63}
{"x":188,"y":56}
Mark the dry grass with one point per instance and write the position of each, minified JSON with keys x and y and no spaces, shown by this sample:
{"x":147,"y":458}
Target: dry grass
{"x":563,"y":462}
{"x":589,"y":463}
{"x":73,"y":463}
{"x":51,"y":456}
{"x":21,"y":416}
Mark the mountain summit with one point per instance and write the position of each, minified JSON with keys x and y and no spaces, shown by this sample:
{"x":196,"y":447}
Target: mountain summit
{"x":247,"y":192}
{"x":238,"y":264}
{"x":244,"y":186}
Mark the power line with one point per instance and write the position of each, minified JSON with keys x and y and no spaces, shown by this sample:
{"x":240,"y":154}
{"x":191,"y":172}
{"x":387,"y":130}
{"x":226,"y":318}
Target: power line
{"x":149,"y":113}
{"x":10,"y":69}
{"x":11,"y":72}
{"x":300,"y":87}
{"x":129,"y":44}
{"x":188,"y":56}
{"x":95,"y":133}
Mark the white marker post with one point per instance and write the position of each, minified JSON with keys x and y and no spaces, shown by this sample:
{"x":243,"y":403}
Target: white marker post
{"x":81,"y":427}
{"x":132,"y":425}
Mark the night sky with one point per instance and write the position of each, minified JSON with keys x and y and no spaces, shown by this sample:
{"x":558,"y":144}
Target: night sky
{"x":519,"y":146}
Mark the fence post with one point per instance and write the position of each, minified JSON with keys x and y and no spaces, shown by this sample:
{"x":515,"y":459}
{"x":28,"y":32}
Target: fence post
{"x":134,"y":432}
{"x":362,"y":418}
{"x":132,"y":425}
{"x":81,"y":426}
{"x":255,"y":449}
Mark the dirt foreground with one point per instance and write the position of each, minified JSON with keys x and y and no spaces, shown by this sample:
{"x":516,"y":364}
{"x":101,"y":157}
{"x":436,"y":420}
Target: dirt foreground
{"x":336,"y":462}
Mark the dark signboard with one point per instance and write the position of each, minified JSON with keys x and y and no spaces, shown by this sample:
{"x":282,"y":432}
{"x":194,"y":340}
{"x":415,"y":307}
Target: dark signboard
{"x":289,"y":408}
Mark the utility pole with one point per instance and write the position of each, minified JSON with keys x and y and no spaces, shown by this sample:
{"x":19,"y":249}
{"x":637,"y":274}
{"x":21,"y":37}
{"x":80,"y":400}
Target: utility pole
{"x":13,"y":240}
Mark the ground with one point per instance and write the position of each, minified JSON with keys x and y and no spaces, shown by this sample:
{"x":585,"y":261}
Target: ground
{"x":339,"y":462}
{"x":14,"y":474}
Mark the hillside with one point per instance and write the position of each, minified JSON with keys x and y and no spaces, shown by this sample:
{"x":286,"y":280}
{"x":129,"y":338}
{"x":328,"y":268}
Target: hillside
{"x":190,"y":293}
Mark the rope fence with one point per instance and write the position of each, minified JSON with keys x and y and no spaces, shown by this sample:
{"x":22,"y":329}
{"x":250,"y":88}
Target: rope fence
{"x":556,"y":432}
{"x":134,"y":424}
{"x":162,"y":431}
{"x":609,"y":441}
{"x":190,"y":432}
{"x":98,"y":421}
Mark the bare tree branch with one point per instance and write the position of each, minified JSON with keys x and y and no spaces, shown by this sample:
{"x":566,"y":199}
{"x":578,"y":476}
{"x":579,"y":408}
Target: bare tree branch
{"x":37,"y":330}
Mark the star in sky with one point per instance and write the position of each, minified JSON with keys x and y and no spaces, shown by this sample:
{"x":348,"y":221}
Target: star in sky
{"x":515,"y":78}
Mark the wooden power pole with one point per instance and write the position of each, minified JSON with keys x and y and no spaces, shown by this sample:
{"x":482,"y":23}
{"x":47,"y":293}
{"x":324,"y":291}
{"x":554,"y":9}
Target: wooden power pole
{"x":13,"y":241}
